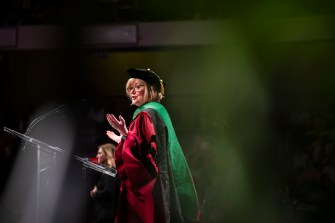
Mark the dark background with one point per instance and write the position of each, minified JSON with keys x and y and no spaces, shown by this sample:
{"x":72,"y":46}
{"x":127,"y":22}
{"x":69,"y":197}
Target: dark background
{"x":254,"y":114}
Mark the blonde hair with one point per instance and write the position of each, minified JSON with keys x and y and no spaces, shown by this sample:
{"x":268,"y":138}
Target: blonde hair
{"x":151,"y":93}
{"x":109,"y":150}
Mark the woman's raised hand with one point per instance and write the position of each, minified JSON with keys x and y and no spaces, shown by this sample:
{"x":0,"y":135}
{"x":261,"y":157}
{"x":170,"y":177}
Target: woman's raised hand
{"x":113,"y":136}
{"x":118,"y":125}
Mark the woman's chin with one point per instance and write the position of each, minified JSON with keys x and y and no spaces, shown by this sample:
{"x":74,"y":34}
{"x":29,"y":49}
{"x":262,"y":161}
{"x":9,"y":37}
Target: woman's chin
{"x":136,"y":103}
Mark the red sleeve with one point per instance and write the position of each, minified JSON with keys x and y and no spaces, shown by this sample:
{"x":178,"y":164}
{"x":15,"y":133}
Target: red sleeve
{"x":140,"y":150}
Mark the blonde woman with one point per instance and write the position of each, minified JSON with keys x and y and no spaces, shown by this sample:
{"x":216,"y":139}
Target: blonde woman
{"x":156,"y":183}
{"x":105,"y":192}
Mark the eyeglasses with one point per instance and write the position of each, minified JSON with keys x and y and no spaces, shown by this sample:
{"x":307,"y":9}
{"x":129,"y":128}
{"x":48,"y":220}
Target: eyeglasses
{"x":137,"y":88}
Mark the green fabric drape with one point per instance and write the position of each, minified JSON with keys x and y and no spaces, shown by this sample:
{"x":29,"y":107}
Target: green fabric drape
{"x":181,"y":172}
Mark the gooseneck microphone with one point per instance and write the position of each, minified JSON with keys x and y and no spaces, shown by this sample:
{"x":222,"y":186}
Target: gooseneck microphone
{"x":40,"y":118}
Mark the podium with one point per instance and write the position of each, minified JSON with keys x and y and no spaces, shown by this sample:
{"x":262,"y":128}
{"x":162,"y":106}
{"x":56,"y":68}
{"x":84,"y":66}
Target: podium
{"x":46,"y":173}
{"x":43,"y":175}
{"x":41,"y":147}
{"x":97,"y":167}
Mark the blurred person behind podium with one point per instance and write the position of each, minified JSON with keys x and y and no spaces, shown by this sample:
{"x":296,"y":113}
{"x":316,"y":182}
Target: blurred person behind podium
{"x":156,"y":183}
{"x":105,"y":192}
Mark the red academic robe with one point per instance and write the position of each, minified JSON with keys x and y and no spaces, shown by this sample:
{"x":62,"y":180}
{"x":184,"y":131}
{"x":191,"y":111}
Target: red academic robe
{"x":156,"y":186}
{"x":140,"y":198}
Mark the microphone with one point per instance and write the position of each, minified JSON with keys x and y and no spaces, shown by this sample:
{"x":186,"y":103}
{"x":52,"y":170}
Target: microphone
{"x":40,"y":118}
{"x":67,"y":108}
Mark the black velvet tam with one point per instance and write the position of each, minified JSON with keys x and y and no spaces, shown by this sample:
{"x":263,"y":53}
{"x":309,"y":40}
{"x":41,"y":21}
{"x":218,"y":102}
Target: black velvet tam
{"x":147,"y":75}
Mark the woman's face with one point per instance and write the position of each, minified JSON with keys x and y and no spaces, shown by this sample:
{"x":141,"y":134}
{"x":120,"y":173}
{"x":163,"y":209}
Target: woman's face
{"x":136,"y":92}
{"x":101,"y":156}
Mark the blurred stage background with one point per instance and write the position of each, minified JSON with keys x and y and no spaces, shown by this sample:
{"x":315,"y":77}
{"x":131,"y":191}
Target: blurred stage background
{"x":249,"y":87}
